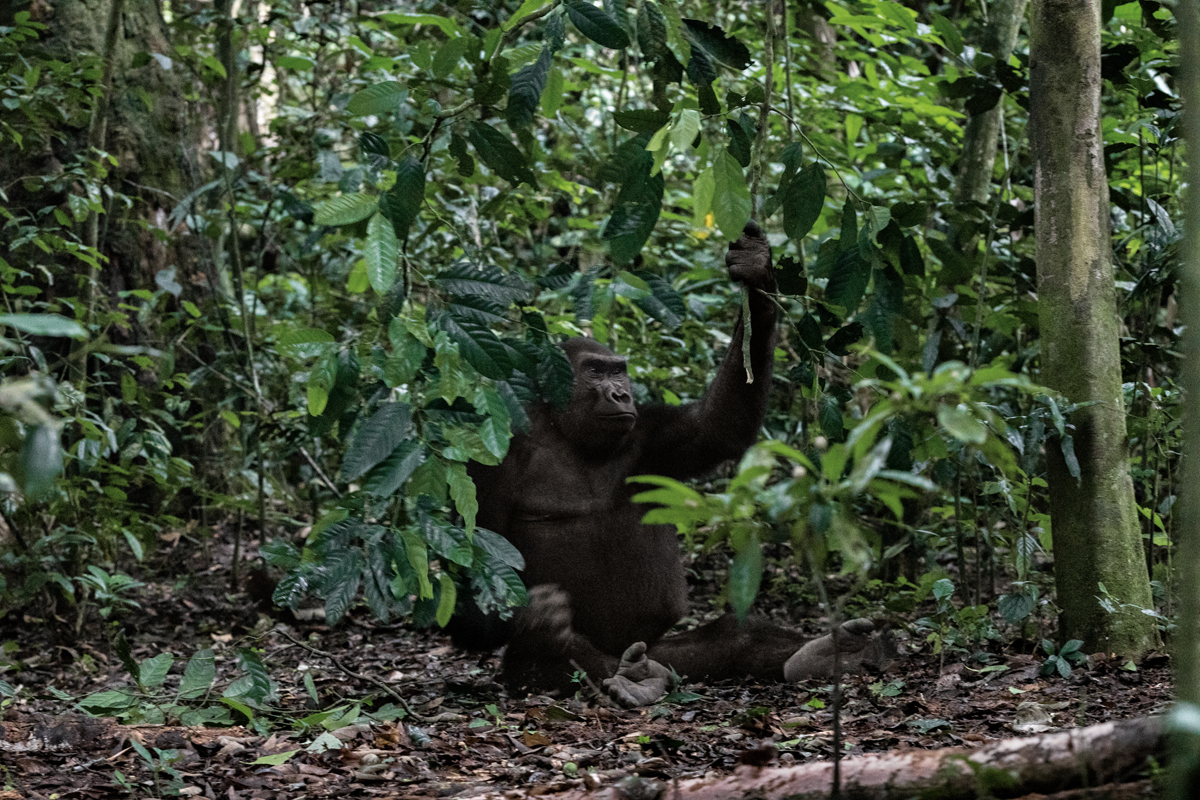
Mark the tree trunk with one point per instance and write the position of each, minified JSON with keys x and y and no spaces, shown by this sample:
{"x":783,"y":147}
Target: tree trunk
{"x":1097,"y":756}
{"x":1187,"y":640}
{"x":983,"y":130}
{"x":1096,"y":536}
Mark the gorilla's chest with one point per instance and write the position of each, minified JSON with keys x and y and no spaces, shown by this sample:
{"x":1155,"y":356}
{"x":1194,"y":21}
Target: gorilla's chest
{"x":557,"y":483}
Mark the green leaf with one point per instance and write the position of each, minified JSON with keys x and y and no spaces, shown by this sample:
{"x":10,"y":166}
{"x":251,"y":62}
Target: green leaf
{"x":526,"y":91}
{"x":386,"y":477}
{"x":527,"y":8}
{"x":295,"y":62}
{"x":961,"y":424}
{"x":684,"y":131}
{"x":804,"y":201}
{"x":478,"y":346}
{"x":462,"y":491}
{"x":108,"y":703}
{"x":260,"y":681}
{"x":418,"y":559}
{"x":642,"y":120}
{"x":731,"y":196}
{"x":501,"y":155}
{"x":636,"y":209}
{"x":378,"y":99}
{"x":153,"y":671}
{"x":345,"y":209}
{"x":703,"y":189}
{"x":448,"y":597}
{"x":449,"y":54}
{"x":402,"y":203}
{"x":487,"y":281}
{"x":382,"y":251}
{"x":651,"y":31}
{"x":1015,"y":607}
{"x":596,"y":24}
{"x":448,"y":26}
{"x":121,"y":648}
{"x":555,"y":377}
{"x":552,"y":95}
{"x":305,"y":343}
{"x":376,"y":439}
{"x":499,"y":548}
{"x":199,"y":674}
{"x":44,"y":325}
{"x":41,"y":460}
{"x":344,"y":572}
{"x":829,"y":417}
{"x":740,"y":139}
{"x":495,"y":430}
{"x":716,"y":45}
{"x":745,"y":576}
{"x":848,"y":281}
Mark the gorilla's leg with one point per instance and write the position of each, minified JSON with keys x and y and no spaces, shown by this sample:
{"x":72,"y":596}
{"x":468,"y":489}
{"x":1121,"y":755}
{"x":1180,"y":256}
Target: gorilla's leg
{"x":543,"y":646}
{"x":726,"y":649}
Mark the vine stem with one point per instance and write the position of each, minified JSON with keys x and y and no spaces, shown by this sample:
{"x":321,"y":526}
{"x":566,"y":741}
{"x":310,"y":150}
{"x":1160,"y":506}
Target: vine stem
{"x":764,"y":113}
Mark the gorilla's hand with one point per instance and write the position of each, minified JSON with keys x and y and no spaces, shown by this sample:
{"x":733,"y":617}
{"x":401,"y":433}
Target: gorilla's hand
{"x":639,"y":681}
{"x":749,"y":259}
{"x":855,"y":641}
{"x":549,"y":614}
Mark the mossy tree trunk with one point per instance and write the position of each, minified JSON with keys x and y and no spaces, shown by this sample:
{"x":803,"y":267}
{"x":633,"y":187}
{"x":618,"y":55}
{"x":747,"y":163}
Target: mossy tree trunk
{"x":1186,"y":660}
{"x":1096,"y":536}
{"x":983,"y":130}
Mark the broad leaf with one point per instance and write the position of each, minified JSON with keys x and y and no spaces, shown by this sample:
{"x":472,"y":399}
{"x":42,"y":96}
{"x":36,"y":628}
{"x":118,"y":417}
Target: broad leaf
{"x":804,"y":201}
{"x":345,"y":209}
{"x":199,"y":674}
{"x":478,"y":346}
{"x":500,"y":155}
{"x":642,"y":120}
{"x":745,"y":576}
{"x":378,"y":99}
{"x":961,"y":424}
{"x":466,"y":279}
{"x":462,"y":492}
{"x":376,"y":439}
{"x":382,"y":250}
{"x":848,"y":281}
{"x":41,"y":460}
{"x":731,"y":196}
{"x":596,"y":24}
{"x":386,"y":477}
{"x":402,"y":203}
{"x":44,"y":325}
{"x":526,"y":91}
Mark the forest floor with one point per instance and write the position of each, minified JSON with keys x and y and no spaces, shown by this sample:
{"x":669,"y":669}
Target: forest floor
{"x":463,"y":734}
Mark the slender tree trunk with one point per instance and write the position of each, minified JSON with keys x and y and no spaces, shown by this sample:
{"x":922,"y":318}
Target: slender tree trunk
{"x":1186,"y":659}
{"x":1096,"y":536}
{"x":983,"y":130}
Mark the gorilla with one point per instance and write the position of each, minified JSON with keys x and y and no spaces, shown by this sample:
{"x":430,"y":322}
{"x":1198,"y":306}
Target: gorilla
{"x":604,"y":588}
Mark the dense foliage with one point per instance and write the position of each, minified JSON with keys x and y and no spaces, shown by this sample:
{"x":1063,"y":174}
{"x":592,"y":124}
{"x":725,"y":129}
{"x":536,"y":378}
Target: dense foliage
{"x":361,"y":286}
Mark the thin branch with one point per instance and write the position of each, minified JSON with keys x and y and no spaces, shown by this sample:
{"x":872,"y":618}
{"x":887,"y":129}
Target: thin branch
{"x":320,"y":472}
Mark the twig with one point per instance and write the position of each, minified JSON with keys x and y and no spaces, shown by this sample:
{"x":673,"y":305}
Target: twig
{"x":358,"y":676}
{"x":320,"y":472}
{"x":588,"y":679}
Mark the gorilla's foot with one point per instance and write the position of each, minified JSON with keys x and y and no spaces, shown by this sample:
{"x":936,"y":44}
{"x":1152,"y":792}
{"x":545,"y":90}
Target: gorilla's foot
{"x":640,"y":680}
{"x":548,"y":615}
{"x":854,"y":645}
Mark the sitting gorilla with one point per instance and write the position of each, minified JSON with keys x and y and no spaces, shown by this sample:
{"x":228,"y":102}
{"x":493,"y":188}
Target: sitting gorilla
{"x":604,"y":588}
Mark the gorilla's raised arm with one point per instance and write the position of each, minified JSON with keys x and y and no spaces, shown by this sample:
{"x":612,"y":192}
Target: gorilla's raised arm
{"x":689,"y":441}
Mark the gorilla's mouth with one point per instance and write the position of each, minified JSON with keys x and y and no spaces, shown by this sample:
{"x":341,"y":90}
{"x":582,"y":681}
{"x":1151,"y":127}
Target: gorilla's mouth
{"x":618,"y":415}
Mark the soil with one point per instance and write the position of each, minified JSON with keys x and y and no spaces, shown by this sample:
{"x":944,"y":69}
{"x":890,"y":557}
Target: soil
{"x":367,"y":709}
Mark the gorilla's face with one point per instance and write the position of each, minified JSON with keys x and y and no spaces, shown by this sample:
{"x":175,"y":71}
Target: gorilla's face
{"x":601,"y":413}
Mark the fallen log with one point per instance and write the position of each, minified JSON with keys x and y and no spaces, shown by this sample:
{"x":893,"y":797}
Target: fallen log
{"x":1096,"y":756}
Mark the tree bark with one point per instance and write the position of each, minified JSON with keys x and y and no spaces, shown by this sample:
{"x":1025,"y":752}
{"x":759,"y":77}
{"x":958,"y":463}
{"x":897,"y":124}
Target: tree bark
{"x":1095,"y":531}
{"x":1090,"y":757}
{"x":1187,"y":640}
{"x":983,"y":130}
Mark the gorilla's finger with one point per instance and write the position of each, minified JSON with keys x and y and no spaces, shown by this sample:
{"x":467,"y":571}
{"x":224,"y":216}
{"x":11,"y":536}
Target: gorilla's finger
{"x":859,"y":627}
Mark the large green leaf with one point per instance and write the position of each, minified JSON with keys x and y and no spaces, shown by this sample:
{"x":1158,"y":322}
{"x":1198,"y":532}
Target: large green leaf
{"x":44,"y":325}
{"x":720,"y":46}
{"x":305,"y":343}
{"x":596,"y":24}
{"x":448,"y":26}
{"x":500,"y":155}
{"x":478,"y":346}
{"x":848,"y":281}
{"x":731,"y":196}
{"x":642,"y":120}
{"x":745,"y":576}
{"x":466,"y":279}
{"x":199,"y":674}
{"x":555,"y":377}
{"x":446,"y":600}
{"x":402,"y":203}
{"x":376,"y":439}
{"x":499,"y":548}
{"x":496,"y":428}
{"x":345,"y":209}
{"x":526,"y":91}
{"x":378,"y":99}
{"x":386,"y":477}
{"x":449,"y":54}
{"x":462,"y":492}
{"x":804,"y":201}
{"x":382,"y":250}
{"x":960,"y":423}
{"x":41,"y":460}
{"x":635,"y":211}
{"x":344,"y":572}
